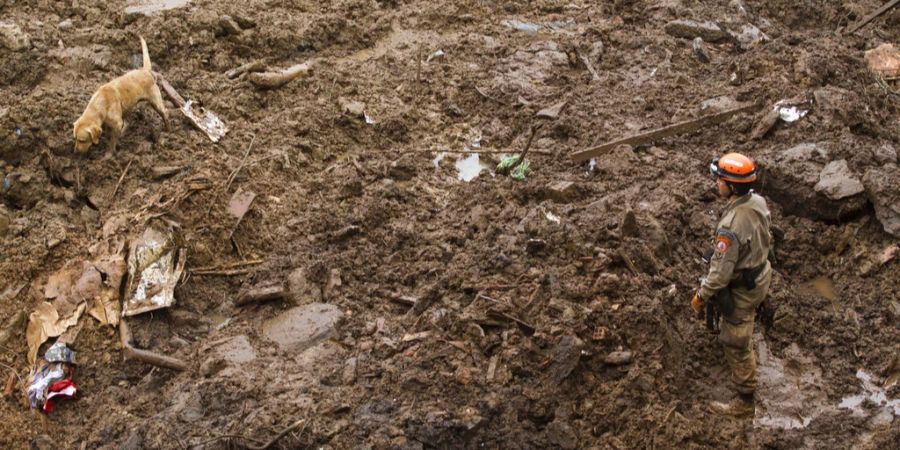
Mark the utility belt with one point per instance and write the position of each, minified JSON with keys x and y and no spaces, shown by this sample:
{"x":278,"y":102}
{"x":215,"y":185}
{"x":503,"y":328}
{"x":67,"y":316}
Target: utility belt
{"x":723,"y":303}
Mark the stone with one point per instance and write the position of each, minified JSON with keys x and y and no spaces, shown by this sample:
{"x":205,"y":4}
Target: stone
{"x":689,"y":29}
{"x":552,"y":112}
{"x":718,"y":104}
{"x":566,"y":355}
{"x":836,"y":181}
{"x":596,"y":51}
{"x":618,"y":358}
{"x":699,"y":51}
{"x":353,"y":108}
{"x":791,"y":179}
{"x":237,"y":350}
{"x":13,"y":38}
{"x":839,"y":107}
{"x":748,"y":36}
{"x":65,"y":25}
{"x":229,"y":26}
{"x":885,"y":153}
{"x":561,"y":435}
{"x":300,"y":290}
{"x":302,"y":327}
{"x":884,"y":60}
{"x":882,"y":186}
{"x":562,"y":191}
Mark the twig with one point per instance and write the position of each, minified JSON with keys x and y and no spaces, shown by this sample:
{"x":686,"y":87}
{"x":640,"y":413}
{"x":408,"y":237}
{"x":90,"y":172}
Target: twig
{"x":129,"y":352}
{"x":272,"y":80}
{"x":480,"y":92}
{"x":279,"y":435}
{"x":119,"y":183}
{"x":467,"y":151}
{"x":261,"y":294}
{"x":224,"y":273}
{"x":534,"y":130}
{"x":590,"y":67}
{"x":884,"y":8}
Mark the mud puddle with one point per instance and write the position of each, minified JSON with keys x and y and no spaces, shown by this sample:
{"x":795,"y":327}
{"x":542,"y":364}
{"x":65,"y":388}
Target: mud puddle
{"x":821,"y":287}
{"x":470,"y":167}
{"x":886,"y":408}
{"x":790,"y":394}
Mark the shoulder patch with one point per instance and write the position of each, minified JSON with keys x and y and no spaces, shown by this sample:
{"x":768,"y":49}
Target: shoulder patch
{"x":724,"y":240}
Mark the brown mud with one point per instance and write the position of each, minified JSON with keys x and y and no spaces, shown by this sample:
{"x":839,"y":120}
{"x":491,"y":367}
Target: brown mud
{"x":524,"y":291}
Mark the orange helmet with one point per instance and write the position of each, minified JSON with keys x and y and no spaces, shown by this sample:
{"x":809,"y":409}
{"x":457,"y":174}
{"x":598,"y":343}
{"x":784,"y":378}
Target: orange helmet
{"x":734,"y":168}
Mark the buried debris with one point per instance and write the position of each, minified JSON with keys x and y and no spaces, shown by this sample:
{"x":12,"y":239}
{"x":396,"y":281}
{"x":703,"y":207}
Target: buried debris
{"x":659,"y":133}
{"x":255,"y":66}
{"x":871,"y":16}
{"x":130,"y":353}
{"x":204,"y":120}
{"x":261,"y":294}
{"x":884,"y":61}
{"x":155,"y":265}
{"x":272,"y":80}
{"x":52,"y":379}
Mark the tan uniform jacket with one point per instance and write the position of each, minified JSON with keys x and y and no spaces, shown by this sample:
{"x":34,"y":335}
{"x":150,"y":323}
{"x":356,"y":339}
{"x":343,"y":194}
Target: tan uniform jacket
{"x":742,"y":242}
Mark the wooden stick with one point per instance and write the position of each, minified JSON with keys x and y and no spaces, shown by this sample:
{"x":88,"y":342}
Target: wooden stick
{"x":223,"y":273}
{"x":10,"y":383}
{"x":169,"y":90}
{"x":255,"y":66}
{"x":259,"y":295}
{"x":659,"y":133}
{"x":119,"y":183}
{"x":590,"y":67}
{"x":403,"y":299}
{"x":865,"y":20}
{"x":279,"y":436}
{"x":131,"y":353}
{"x":272,"y":80}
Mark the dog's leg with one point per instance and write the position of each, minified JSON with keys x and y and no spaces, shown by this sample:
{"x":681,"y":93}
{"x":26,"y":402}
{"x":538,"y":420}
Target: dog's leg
{"x":157,"y":102}
{"x":116,"y":125}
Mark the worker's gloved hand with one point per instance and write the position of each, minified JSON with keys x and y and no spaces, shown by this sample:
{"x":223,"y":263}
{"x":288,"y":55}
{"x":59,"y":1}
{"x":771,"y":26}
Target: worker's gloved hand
{"x":697,"y":304}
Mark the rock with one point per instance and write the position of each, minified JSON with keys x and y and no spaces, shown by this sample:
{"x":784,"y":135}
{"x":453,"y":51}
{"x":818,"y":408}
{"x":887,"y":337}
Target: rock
{"x":791,"y":179}
{"x":229,"y":26}
{"x":888,"y":254}
{"x":596,"y":52}
{"x":300,"y":290}
{"x":718,"y":104}
{"x":236,"y":350}
{"x":135,"y":441}
{"x":302,"y":327}
{"x":348,"y":376}
{"x":839,"y":107}
{"x":885,"y":153}
{"x":552,"y":112}
{"x":193,"y":410}
{"x":884,"y":60}
{"x":628,"y":225}
{"x":353,"y":108}
{"x":690,"y":29}
{"x":212,"y":366}
{"x":883,"y":190}
{"x":525,"y":72}
{"x":836,"y":181}
{"x":65,"y":25}
{"x":562,"y":191}
{"x":749,"y":36}
{"x":699,"y":51}
{"x":13,"y":38}
{"x":618,"y":358}
{"x":561,"y":435}
{"x":566,"y":355}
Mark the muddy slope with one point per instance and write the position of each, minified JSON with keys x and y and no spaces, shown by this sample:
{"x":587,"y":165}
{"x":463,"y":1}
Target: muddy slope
{"x":550,"y":313}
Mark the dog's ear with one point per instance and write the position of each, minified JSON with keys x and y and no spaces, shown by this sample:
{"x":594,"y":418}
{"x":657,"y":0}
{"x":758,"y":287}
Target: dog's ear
{"x":95,"y":134}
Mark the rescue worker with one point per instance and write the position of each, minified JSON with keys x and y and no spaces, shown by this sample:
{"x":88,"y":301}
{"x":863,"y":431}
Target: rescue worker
{"x":739,"y":276}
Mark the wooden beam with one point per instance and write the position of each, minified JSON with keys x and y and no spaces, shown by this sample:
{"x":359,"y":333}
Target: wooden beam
{"x":884,"y":8}
{"x":659,"y":133}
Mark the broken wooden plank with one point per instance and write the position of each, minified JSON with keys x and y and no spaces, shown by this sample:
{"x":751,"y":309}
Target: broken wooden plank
{"x":865,"y":20}
{"x":659,"y":133}
{"x":146,"y":356}
{"x":272,"y":80}
{"x":261,"y":294}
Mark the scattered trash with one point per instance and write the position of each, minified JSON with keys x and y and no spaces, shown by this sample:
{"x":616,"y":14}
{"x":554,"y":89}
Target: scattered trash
{"x":511,"y":165}
{"x":884,"y":61}
{"x":155,"y":264}
{"x":789,"y":111}
{"x":53,"y":380}
{"x":367,"y":118}
{"x":437,"y":160}
{"x":435,"y":55}
{"x":552,"y":217}
{"x":204,"y":120}
{"x":888,"y":254}
{"x":592,"y":164}
{"x":240,"y":203}
{"x":45,"y":322}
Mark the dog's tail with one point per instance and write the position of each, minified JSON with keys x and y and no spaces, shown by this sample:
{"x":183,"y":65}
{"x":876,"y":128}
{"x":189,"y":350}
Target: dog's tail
{"x":146,"y":54}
